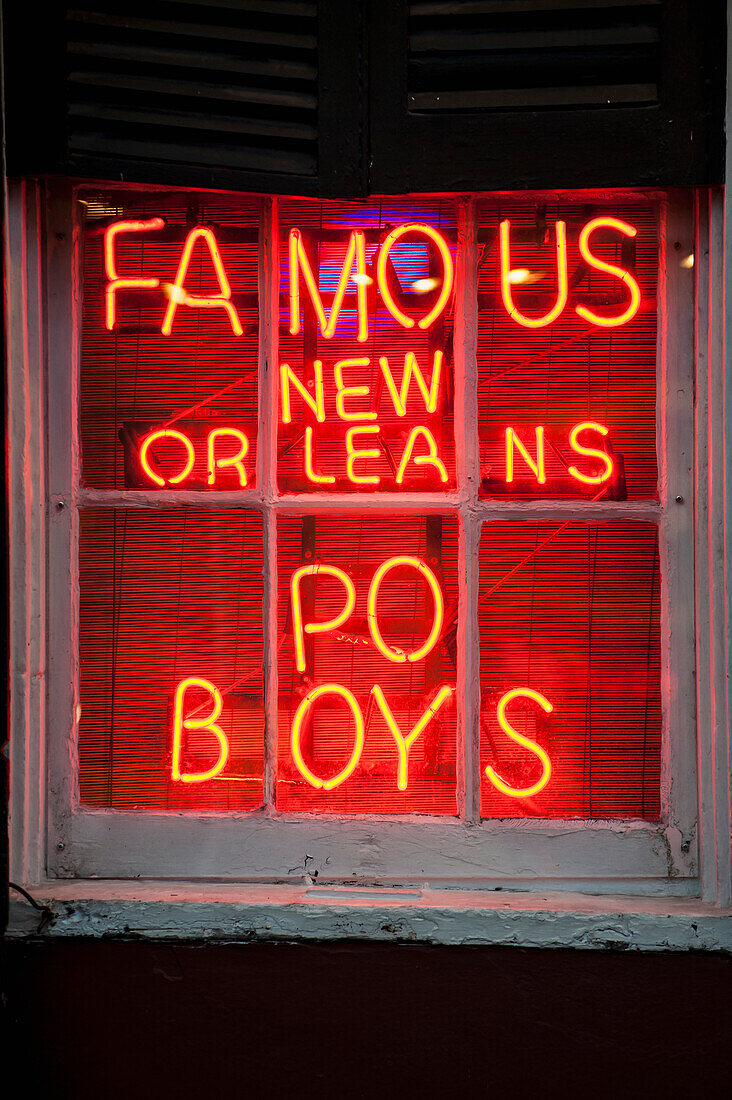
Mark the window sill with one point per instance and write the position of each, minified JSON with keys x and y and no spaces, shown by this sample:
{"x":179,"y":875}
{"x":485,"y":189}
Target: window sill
{"x":215,"y":911}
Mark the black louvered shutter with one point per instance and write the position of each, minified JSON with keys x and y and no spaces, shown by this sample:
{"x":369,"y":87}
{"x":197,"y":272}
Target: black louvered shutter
{"x":260,"y":95}
{"x":342,"y":97}
{"x":493,"y":94}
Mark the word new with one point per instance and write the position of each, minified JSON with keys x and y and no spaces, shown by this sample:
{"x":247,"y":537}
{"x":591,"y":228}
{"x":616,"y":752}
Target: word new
{"x":420,"y":435}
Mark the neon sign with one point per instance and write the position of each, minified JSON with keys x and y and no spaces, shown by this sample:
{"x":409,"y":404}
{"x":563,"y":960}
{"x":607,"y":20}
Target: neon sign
{"x":537,"y":466}
{"x":351,"y":405}
{"x":362,"y":388}
{"x":215,"y":460}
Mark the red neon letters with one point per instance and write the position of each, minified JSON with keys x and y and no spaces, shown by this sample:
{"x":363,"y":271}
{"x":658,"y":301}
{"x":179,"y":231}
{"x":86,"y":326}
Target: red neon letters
{"x":300,"y":717}
{"x":208,"y":723}
{"x":236,"y":460}
{"x":610,"y":269}
{"x":412,"y":370}
{"x":420,"y":448}
{"x":393,"y":655}
{"x":115,"y":282}
{"x":167,"y":433}
{"x":354,"y":269}
{"x":316,"y":400}
{"x":591,"y":452}
{"x":317,"y":628}
{"x":300,"y":266}
{"x":178,"y":296}
{"x":386,"y":295}
{"x":403,"y":743}
{"x":521,"y":792}
{"x":176,"y":292}
{"x":219,"y":456}
{"x":299,"y":262}
{"x":397,"y":655}
{"x":538,"y":468}
{"x":512,"y":440}
{"x":560,"y":229}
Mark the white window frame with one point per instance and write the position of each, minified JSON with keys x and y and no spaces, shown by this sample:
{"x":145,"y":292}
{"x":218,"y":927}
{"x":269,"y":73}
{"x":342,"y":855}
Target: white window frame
{"x":53,"y":839}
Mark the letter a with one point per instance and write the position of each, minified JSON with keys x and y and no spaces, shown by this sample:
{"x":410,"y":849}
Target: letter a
{"x":178,"y":296}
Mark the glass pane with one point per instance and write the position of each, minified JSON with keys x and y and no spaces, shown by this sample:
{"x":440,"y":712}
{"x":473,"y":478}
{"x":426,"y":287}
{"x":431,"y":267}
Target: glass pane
{"x":192,"y":261}
{"x":578,"y":391}
{"x":569,"y":619}
{"x":168,"y":598}
{"x":404,"y":372}
{"x":385,"y":655}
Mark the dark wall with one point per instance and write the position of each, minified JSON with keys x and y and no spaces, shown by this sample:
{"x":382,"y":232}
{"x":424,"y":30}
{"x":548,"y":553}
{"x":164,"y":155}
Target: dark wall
{"x":111,"y":1019}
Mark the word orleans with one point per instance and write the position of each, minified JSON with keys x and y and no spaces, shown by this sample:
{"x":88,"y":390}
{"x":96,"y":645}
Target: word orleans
{"x":227,"y":447}
{"x":237,"y":444}
{"x":184,"y":720}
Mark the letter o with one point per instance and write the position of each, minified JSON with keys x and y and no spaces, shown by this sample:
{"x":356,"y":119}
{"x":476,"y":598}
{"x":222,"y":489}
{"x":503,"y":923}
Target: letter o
{"x":301,"y":714}
{"x":167,"y":433}
{"x":397,"y":655}
{"x":436,"y":238}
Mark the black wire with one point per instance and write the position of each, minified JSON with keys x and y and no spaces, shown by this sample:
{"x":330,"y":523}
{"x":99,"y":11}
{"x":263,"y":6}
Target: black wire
{"x":47,"y":914}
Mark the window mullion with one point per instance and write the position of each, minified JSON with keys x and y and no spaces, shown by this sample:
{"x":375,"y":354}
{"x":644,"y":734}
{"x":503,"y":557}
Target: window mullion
{"x":468,"y":473}
{"x":267,"y":475}
{"x":675,"y":444}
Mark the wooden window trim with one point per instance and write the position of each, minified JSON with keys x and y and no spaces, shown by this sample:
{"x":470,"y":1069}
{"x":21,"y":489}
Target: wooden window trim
{"x":53,"y":841}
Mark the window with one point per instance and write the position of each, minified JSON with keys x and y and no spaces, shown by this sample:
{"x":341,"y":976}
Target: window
{"x":370,"y":514}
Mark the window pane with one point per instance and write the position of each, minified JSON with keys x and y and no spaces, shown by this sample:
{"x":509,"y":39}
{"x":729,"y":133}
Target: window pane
{"x":313,"y":453}
{"x":168,"y":596}
{"x":576,"y":373}
{"x":413,"y":667}
{"x":570,"y":611}
{"x":137,"y":382}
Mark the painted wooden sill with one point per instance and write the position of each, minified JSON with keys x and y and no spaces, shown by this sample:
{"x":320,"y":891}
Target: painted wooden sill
{"x":236,"y":912}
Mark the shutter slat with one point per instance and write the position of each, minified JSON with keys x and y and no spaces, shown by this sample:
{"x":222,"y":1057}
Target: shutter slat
{"x":533,"y":97}
{"x":524,"y":55}
{"x":196,"y":31}
{"x":142,"y":116}
{"x":280,"y":8}
{"x":222,"y":86}
{"x":188,"y":89}
{"x":188,"y":59}
{"x":213,"y":155}
{"x":513,"y":7}
{"x":586,"y":38}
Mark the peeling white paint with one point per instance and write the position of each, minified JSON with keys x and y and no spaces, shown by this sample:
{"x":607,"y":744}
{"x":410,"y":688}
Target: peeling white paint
{"x":182,"y":911}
